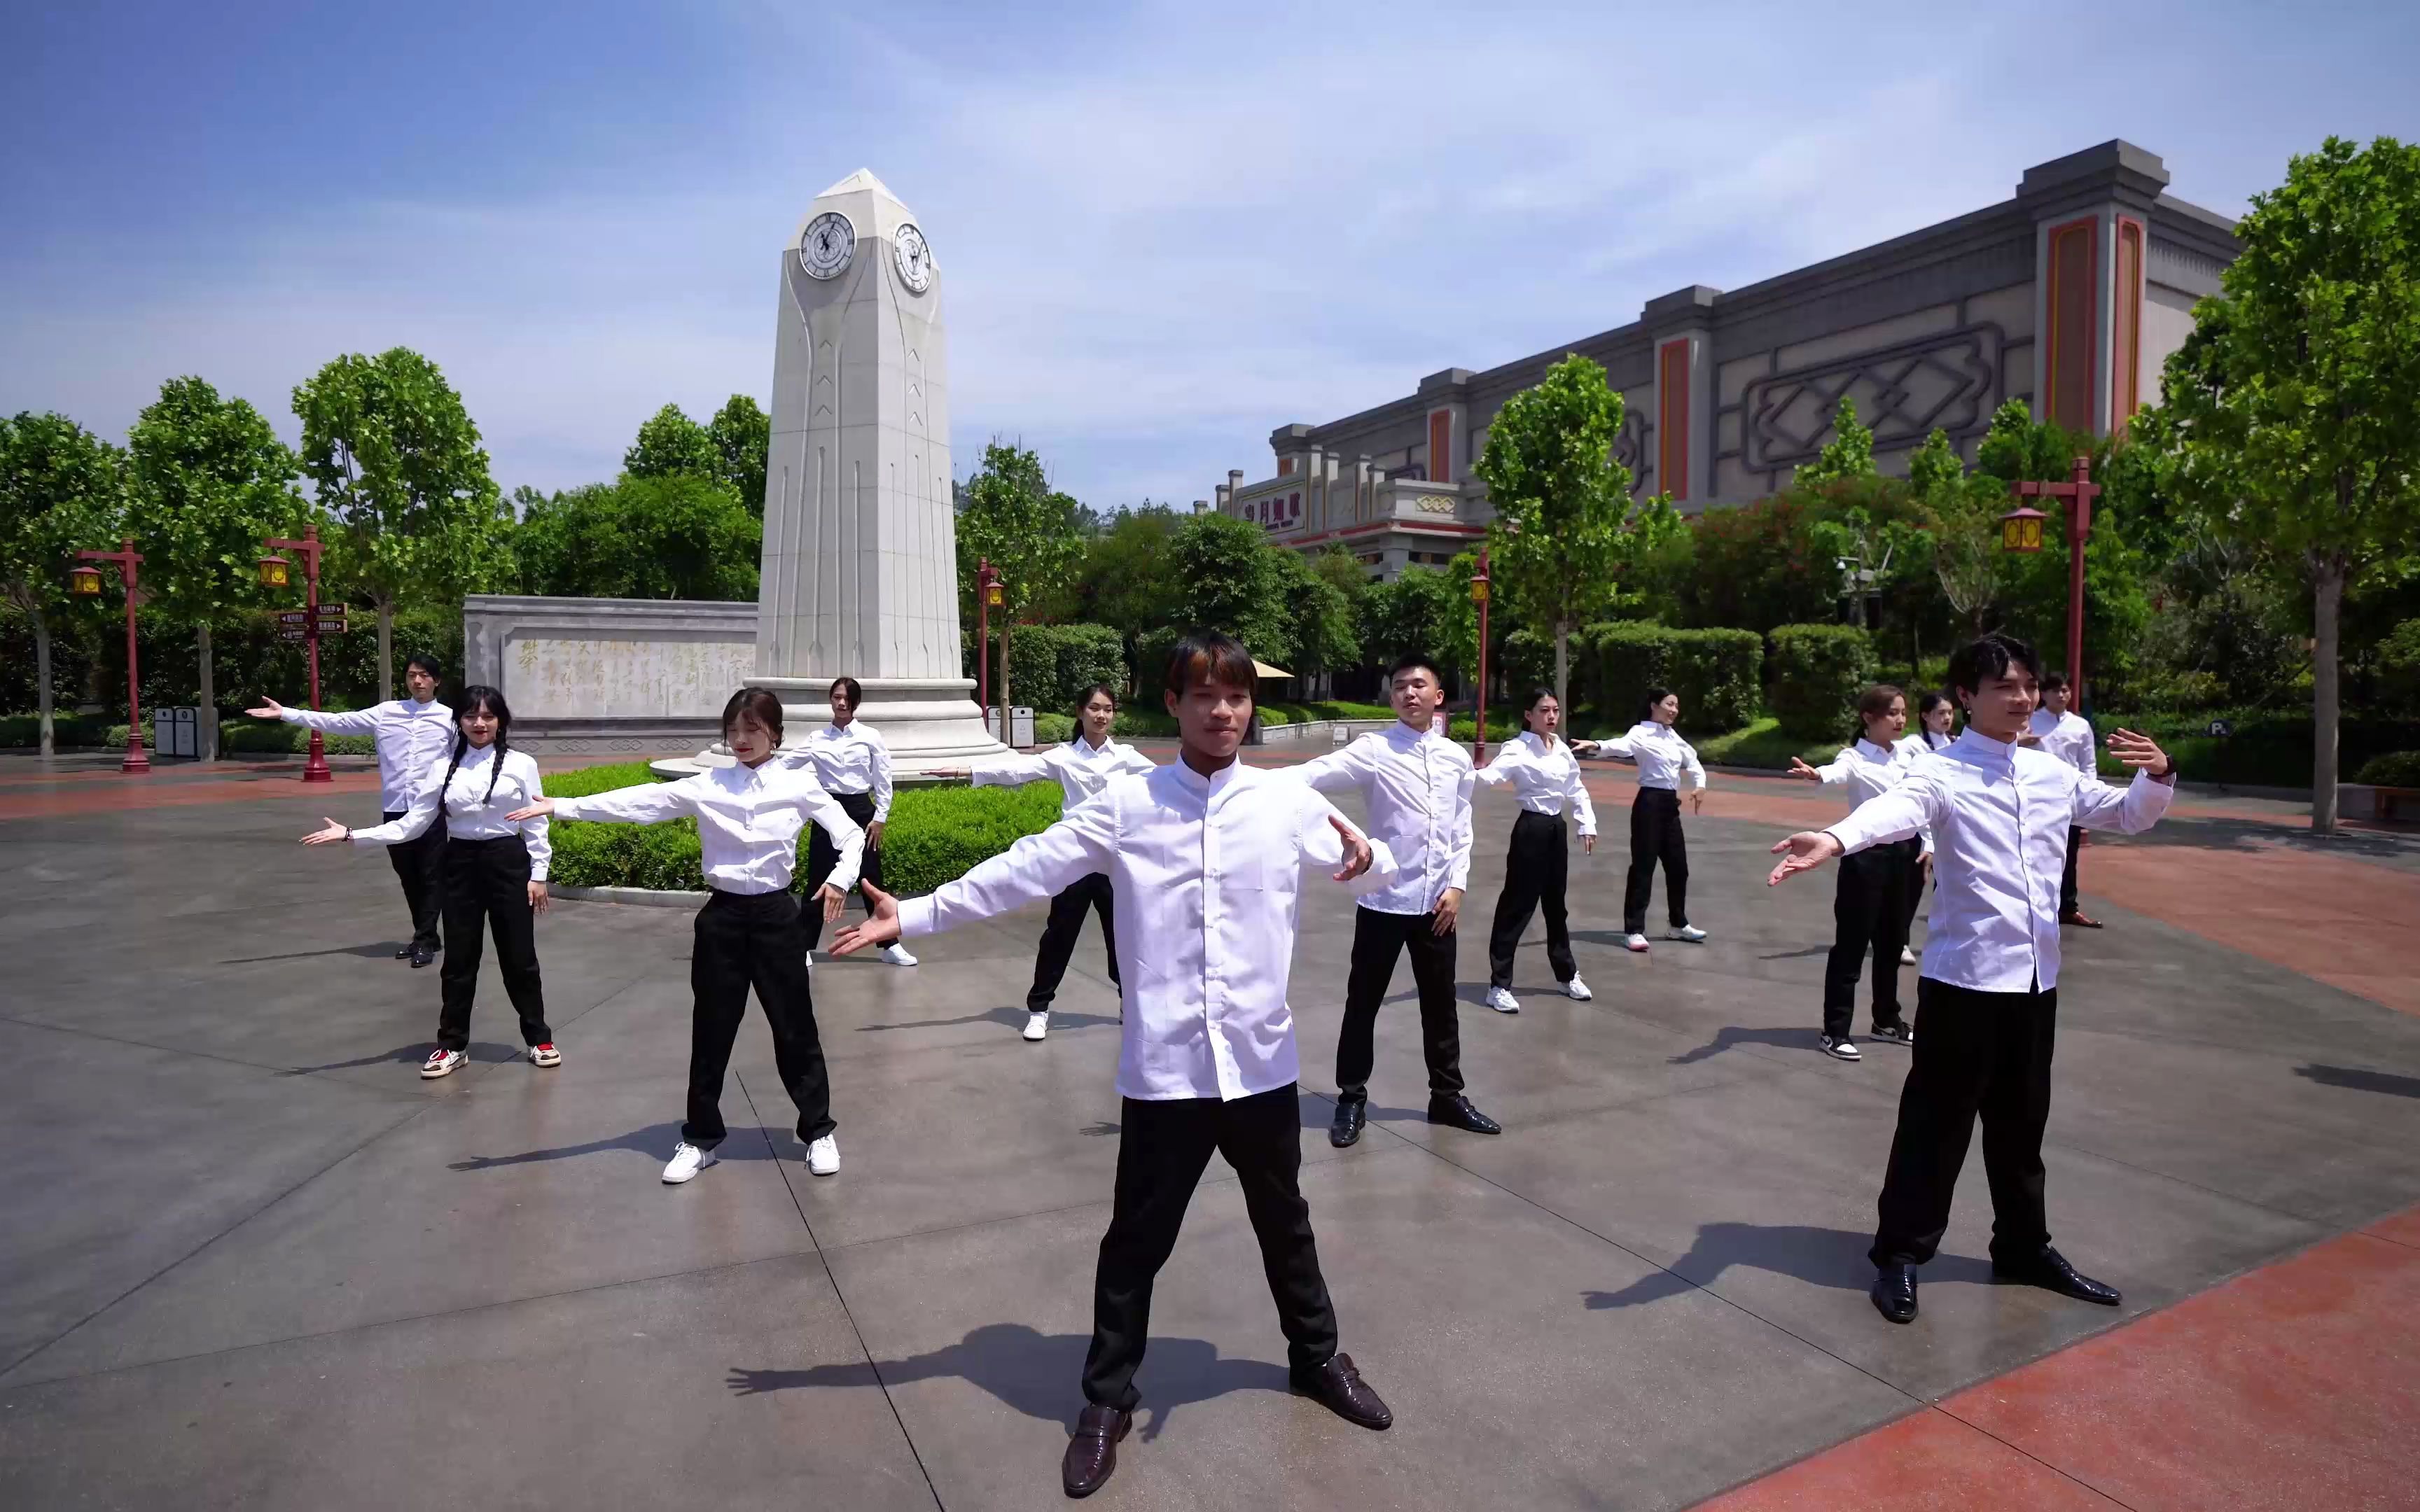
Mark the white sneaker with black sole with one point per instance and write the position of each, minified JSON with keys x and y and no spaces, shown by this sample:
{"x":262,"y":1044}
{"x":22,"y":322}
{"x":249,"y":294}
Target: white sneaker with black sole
{"x":1578,"y":991}
{"x":823,"y":1156}
{"x":687,"y":1159}
{"x":1502,"y":1000}
{"x":1036,"y":1025}
{"x":1843,"y":1048}
{"x":442,"y":1062}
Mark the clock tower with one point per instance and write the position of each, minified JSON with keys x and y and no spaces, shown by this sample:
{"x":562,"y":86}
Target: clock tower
{"x":859,"y":566}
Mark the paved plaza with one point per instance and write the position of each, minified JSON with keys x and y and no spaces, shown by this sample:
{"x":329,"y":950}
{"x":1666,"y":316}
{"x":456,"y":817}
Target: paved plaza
{"x":249,"y":1259}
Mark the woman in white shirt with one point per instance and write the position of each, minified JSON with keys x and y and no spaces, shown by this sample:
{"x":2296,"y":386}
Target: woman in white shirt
{"x":1537,"y":766}
{"x":852,"y":761}
{"x":1934,"y":716}
{"x":1870,"y":908}
{"x":1083,"y":768}
{"x":1663,"y":757}
{"x":495,"y":873}
{"x":751,"y":932}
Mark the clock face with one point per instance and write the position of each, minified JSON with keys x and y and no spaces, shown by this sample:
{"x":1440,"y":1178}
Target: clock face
{"x":824,"y":252}
{"x":913,"y":256}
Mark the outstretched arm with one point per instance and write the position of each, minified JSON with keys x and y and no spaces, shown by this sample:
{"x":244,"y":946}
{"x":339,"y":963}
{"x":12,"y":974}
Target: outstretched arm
{"x":417,"y":816}
{"x":1905,"y":809}
{"x":351,"y":722}
{"x":642,"y":803}
{"x":2137,"y":805}
{"x":1037,"y":867}
{"x":1335,"y":771}
{"x":1010,"y":771}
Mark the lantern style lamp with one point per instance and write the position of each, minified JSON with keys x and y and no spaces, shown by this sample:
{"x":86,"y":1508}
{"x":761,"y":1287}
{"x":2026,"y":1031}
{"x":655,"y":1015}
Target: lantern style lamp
{"x":2021,"y":529}
{"x":84,"y":582}
{"x":275,"y":571}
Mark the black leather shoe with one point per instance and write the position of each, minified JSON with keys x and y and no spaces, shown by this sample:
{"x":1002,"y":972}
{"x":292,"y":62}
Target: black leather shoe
{"x":1456,"y":1112}
{"x":1338,"y":1385}
{"x":2050,"y":1271}
{"x":1351,"y":1114}
{"x":404,"y":954}
{"x":1894,"y":1293}
{"x":1091,"y":1455}
{"x":421,"y":958}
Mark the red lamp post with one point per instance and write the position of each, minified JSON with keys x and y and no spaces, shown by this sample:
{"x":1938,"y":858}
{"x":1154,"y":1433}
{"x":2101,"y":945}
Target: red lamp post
{"x":274,"y":573}
{"x":987,"y":598}
{"x":85,"y":583}
{"x":1478,"y":594}
{"x":2021,"y":529}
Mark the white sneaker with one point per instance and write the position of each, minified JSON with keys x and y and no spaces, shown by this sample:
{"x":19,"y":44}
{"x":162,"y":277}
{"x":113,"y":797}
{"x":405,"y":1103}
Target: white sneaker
{"x":1502,"y":1000}
{"x":1578,"y":991}
{"x":687,"y":1159}
{"x":1908,"y":955}
{"x":823,"y":1156}
{"x":545,"y":1055}
{"x":1843,"y":1048}
{"x":1037,"y":1024}
{"x":1690,"y":933}
{"x":897,"y":955}
{"x":1635,"y":942}
{"x":442,"y":1062}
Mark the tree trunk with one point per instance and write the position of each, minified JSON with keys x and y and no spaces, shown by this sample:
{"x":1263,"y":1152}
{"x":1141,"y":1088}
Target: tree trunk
{"x":2327,"y":599}
{"x":386,"y":651}
{"x":43,"y":671}
{"x":1563,"y":667}
{"x":206,"y":734}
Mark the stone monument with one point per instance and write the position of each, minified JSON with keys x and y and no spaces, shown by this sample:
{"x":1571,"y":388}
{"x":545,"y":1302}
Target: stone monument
{"x":859,"y":566}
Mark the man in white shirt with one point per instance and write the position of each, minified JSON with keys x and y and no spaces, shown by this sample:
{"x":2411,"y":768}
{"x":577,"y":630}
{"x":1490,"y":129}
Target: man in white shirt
{"x":2068,"y":735}
{"x":1987,"y":1003}
{"x":1207,"y":857}
{"x":853,"y":762}
{"x":413,"y":735}
{"x":1418,"y":785}
{"x":1083,"y":768}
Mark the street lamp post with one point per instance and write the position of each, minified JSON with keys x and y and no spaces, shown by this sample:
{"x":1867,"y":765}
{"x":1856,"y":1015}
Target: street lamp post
{"x":85,"y":583}
{"x":1479,"y":596}
{"x":275,"y":574}
{"x":988,"y":596}
{"x":2021,"y":529}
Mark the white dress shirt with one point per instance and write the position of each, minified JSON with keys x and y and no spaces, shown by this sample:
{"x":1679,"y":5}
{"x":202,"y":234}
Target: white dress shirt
{"x":1543,"y":778}
{"x":2069,"y":737}
{"x":1081,"y":768}
{"x":410,"y":736}
{"x":1207,"y":873}
{"x":848,"y":759}
{"x":748,"y":822}
{"x":1999,"y":815}
{"x":1932,"y":741}
{"x":1661,"y":753}
{"x":1869,"y":771}
{"x":472,"y":812}
{"x":1417,"y":784}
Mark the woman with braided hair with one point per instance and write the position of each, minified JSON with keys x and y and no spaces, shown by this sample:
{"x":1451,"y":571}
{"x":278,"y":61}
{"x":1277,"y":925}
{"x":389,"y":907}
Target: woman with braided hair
{"x":495,"y":871}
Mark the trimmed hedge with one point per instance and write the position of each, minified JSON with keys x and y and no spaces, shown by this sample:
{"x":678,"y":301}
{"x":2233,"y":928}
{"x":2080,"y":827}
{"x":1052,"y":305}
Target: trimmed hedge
{"x":1817,"y":671}
{"x":1713,"y":671}
{"x":256,"y":736}
{"x":2268,"y":747}
{"x":1049,"y":664}
{"x":24,"y":730}
{"x":2395,"y":769}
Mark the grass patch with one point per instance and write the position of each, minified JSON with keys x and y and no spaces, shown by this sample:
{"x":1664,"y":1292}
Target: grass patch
{"x":1765,"y":746}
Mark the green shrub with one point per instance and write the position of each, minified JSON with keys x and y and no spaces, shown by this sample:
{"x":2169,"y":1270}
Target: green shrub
{"x":2395,"y":769}
{"x":1713,"y":671}
{"x":1816,"y":673}
{"x":1049,"y":664}
{"x":2268,"y":748}
{"x":257,"y":735}
{"x":1528,"y":661}
{"x":1765,"y":745}
{"x":1051,"y":729}
{"x":24,"y":730}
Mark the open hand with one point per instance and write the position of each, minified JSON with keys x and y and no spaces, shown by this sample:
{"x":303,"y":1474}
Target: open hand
{"x":830,"y":897}
{"x":2143,"y":753}
{"x":538,"y":809}
{"x":270,"y":708}
{"x":881,"y":927}
{"x":874,"y":836}
{"x":1449,"y":913}
{"x":1803,"y":772}
{"x":1357,"y":851}
{"x":1583,"y":747}
{"x":329,"y":836}
{"x":539,"y":901}
{"x":1807,"y":849}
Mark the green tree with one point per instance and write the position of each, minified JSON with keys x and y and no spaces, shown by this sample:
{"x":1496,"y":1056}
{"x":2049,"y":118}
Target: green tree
{"x":1850,"y":453}
{"x":210,"y":482}
{"x":1325,"y":634}
{"x":1413,"y":616}
{"x":2300,"y":431}
{"x":397,"y":462}
{"x":679,"y":537}
{"x":1228,"y":577}
{"x":1124,"y":581}
{"x":62,"y":490}
{"x":1963,"y":513}
{"x":670,"y":443}
{"x":742,"y":434}
{"x":1565,"y":525}
{"x":1011,"y":514}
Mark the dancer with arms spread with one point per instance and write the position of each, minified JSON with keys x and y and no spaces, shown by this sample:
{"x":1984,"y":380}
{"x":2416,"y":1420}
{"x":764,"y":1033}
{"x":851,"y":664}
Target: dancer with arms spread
{"x":1871,"y":908}
{"x":1663,"y":757}
{"x":1207,"y":857}
{"x":1537,"y":766}
{"x":852,"y":761}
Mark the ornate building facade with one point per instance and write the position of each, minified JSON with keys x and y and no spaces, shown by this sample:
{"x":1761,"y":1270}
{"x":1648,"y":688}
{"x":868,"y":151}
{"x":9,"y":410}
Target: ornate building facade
{"x":2069,"y":295}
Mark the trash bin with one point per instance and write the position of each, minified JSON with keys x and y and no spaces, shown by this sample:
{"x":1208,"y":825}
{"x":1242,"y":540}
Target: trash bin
{"x":177,"y":732}
{"x":1020,"y":725}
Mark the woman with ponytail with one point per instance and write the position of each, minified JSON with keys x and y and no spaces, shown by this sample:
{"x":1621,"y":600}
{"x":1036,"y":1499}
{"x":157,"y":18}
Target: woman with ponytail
{"x":1663,"y":759}
{"x":1537,"y":766}
{"x":1871,"y":907}
{"x":495,"y":873}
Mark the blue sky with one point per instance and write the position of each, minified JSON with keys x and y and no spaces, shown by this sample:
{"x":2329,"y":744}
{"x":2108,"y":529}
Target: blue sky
{"x":1165,"y":229}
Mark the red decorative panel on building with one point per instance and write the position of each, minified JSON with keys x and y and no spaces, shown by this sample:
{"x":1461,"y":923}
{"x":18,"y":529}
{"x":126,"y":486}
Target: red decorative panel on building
{"x":2126,"y":324}
{"x":1294,"y":506}
{"x":2067,"y":366}
{"x":1672,"y":418}
{"x":1285,"y":467}
{"x":1441,"y":445}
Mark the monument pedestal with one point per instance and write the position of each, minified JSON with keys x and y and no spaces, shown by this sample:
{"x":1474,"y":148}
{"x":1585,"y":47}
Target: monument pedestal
{"x":930,"y":724}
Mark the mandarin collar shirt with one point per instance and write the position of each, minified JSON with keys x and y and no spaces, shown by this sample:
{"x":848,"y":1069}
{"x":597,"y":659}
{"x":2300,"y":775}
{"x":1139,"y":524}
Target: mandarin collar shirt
{"x":1999,"y":815}
{"x":848,"y":759}
{"x":1662,"y":755}
{"x":1081,"y":768}
{"x":410,"y":736}
{"x":1207,"y":874}
{"x":1417,"y":784}
{"x":2068,"y":736}
{"x":1543,"y":777}
{"x":474,"y":806}
{"x":748,"y":820}
{"x":1869,"y":771}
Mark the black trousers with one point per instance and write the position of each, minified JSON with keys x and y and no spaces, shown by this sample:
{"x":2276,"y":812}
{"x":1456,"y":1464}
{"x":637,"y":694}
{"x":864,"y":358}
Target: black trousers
{"x":822,"y":856}
{"x":1976,"y":1053}
{"x":1536,"y":871}
{"x":1163,"y":1148}
{"x":1869,"y":914}
{"x":1059,"y":937}
{"x":1914,"y":898}
{"x":487,"y":888}
{"x":2067,"y":877}
{"x":1655,"y":836}
{"x":753,"y":940}
{"x":420,"y":866}
{"x":1377,"y":940}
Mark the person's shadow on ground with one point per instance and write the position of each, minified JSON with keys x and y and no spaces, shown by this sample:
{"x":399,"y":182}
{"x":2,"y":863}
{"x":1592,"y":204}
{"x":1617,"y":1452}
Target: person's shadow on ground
{"x":377,"y":951}
{"x":1823,"y":1256}
{"x":2360,"y":1080}
{"x":410,"y":1054}
{"x":1731,"y":1037}
{"x":656,"y":1140}
{"x":1013,"y":1018}
{"x":1037,"y":1373}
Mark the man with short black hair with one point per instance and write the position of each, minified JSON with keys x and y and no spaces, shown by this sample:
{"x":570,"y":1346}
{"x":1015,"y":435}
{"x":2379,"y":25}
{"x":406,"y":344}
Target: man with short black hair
{"x":1987,"y":1003}
{"x":2062,"y":732}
